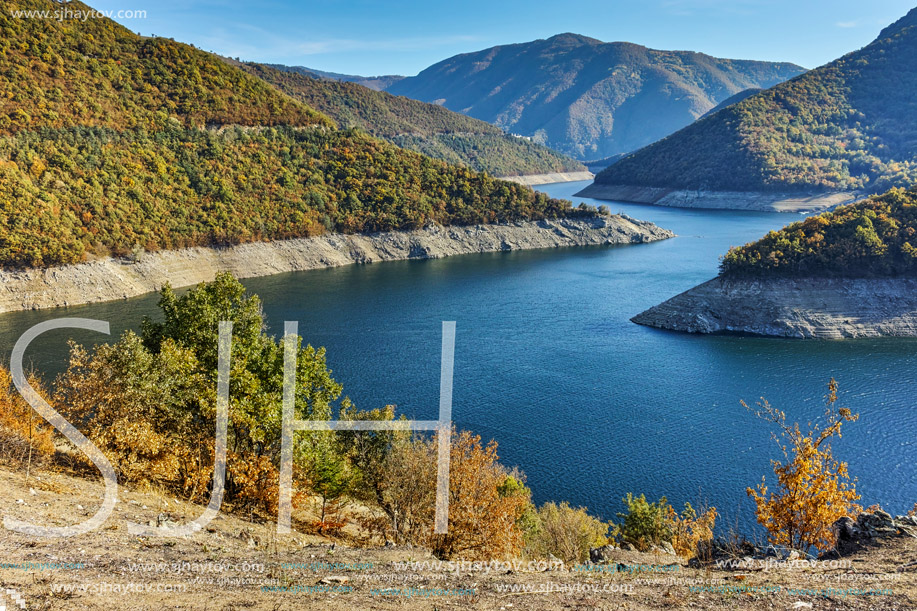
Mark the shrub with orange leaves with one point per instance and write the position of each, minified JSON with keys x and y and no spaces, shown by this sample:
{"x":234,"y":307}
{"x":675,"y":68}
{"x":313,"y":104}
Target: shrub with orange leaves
{"x":25,"y":437}
{"x":646,"y":525}
{"x":689,"y":529}
{"x":484,"y":512}
{"x":813,"y":488}
{"x":483,"y":521}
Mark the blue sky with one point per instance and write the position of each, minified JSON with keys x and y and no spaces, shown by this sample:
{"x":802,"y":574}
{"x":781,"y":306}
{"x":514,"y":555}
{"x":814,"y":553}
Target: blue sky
{"x":371,"y":37}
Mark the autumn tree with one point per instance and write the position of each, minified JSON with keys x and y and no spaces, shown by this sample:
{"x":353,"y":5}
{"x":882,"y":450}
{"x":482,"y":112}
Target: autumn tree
{"x":485,"y":500}
{"x":813,"y":488}
{"x":483,"y":512}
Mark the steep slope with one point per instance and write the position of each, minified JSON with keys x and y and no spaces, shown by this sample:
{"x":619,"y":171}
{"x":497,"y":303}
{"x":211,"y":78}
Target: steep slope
{"x":584,"y":97}
{"x":848,"y":125}
{"x":96,"y":73}
{"x":424,"y":128}
{"x":112,"y":143}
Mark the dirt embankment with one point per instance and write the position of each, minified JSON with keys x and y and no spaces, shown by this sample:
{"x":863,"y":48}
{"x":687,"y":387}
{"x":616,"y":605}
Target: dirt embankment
{"x":721,"y":200}
{"x":111,"y":279}
{"x":825,"y":308}
{"x":235,"y":563}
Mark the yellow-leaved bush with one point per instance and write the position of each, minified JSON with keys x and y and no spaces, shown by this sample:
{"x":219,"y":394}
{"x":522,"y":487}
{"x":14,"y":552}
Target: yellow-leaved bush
{"x":24,"y":436}
{"x":813,"y":489}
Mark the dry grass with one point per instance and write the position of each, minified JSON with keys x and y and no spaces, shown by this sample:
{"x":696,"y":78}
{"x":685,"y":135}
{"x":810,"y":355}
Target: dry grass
{"x":231,"y":541}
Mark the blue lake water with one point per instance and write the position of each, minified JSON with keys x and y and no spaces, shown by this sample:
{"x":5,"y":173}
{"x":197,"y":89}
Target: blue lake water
{"x":588,"y":404}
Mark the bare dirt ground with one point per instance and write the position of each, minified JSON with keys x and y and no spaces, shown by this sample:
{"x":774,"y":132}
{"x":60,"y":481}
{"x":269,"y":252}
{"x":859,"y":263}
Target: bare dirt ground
{"x":241,"y":564}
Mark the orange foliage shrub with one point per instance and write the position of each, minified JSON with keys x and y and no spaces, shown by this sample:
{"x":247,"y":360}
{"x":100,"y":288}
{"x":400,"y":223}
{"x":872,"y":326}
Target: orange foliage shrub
{"x":812,"y":486}
{"x":483,"y":521}
{"x":689,"y":530}
{"x":24,"y":435}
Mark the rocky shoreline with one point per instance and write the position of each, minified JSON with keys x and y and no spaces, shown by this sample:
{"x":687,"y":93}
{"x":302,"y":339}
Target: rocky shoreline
{"x":807,"y":308}
{"x":721,"y":200}
{"x":111,"y":279}
{"x":545,"y":179}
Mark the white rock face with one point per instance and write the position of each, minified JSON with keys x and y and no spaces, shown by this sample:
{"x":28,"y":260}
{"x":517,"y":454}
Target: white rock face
{"x":545,"y":179}
{"x":826,"y":308}
{"x":722,"y":200}
{"x":111,"y":279}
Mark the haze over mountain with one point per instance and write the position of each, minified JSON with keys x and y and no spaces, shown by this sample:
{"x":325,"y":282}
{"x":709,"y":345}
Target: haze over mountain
{"x":848,"y":125}
{"x":584,"y":97}
{"x":417,"y":126}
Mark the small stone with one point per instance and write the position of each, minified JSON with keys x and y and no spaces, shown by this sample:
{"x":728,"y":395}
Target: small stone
{"x":601,"y":555}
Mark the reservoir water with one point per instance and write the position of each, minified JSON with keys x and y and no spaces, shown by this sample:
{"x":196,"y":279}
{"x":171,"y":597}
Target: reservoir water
{"x":588,"y":404}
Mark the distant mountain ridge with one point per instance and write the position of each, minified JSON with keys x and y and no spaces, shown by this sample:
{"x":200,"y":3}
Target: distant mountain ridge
{"x":584,"y":97}
{"x":376,"y":83}
{"x":845,"y":126}
{"x":424,"y":128}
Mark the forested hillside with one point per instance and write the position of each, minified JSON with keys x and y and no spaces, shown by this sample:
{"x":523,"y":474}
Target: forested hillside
{"x":98,"y":73}
{"x":110,"y":143}
{"x":587,"y":98}
{"x":847,"y":125}
{"x":424,"y":128}
{"x":874,"y":237}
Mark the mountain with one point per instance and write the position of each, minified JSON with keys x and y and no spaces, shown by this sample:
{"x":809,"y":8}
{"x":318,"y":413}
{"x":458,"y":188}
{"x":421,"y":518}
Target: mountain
{"x":848,"y":125}
{"x":735,"y":99}
{"x":376,"y":83}
{"x":112,"y":143}
{"x":587,"y":98}
{"x":424,"y":128}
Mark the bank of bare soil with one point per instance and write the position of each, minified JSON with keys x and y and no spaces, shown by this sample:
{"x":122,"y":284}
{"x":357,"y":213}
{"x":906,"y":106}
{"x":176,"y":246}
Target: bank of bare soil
{"x":111,"y":279}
